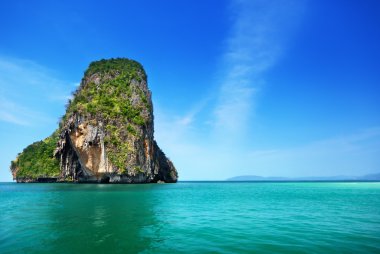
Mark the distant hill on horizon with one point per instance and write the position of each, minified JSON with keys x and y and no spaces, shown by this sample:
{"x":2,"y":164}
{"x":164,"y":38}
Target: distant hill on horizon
{"x":370,"y":177}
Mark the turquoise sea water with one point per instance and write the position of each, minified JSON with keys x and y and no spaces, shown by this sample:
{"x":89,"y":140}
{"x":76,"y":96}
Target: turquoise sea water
{"x":191,"y":217}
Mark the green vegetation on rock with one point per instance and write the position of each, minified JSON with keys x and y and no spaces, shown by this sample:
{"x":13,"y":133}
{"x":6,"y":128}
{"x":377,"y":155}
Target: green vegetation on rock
{"x":107,"y":127}
{"x":109,"y":93}
{"x":110,"y":98}
{"x":37,"y":160}
{"x":115,"y":66}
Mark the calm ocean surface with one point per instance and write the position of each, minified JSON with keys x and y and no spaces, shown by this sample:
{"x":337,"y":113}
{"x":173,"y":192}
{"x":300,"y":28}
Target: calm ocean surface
{"x":191,"y":217}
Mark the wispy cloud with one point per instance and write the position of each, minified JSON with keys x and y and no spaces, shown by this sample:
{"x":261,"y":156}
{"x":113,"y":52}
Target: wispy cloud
{"x":26,"y":89}
{"x":256,"y":42}
{"x":353,"y":154}
{"x":13,"y":113}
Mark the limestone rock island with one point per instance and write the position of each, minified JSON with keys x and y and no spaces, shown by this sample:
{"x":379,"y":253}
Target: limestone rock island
{"x":106,"y":134}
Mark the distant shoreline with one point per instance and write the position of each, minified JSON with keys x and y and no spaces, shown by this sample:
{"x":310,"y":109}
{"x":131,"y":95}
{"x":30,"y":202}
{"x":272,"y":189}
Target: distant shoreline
{"x":277,"y":181}
{"x":369,"y":177}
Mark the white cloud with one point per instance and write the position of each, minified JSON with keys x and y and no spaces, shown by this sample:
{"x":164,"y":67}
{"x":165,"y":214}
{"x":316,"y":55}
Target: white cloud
{"x":26,"y":89}
{"x":257,"y":40}
{"x":354,"y":154}
{"x":215,"y":151}
{"x":11,"y":117}
{"x":16,"y":114}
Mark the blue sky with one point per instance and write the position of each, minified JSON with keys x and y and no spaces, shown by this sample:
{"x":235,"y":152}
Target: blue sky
{"x":271,"y":88}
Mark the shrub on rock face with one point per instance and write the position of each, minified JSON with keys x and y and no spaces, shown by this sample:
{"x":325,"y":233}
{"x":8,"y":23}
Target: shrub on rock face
{"x":37,"y":160}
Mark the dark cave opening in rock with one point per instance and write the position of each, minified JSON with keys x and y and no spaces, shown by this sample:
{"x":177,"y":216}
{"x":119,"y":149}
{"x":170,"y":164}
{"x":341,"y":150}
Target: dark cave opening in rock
{"x":105,"y":179}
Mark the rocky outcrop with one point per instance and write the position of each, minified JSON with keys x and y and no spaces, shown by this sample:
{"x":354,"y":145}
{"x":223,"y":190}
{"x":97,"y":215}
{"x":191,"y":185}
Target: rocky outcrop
{"x":107,"y":133}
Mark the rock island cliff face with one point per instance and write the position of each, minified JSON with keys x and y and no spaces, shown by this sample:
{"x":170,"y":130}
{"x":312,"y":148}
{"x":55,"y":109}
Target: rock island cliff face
{"x":106,"y":134}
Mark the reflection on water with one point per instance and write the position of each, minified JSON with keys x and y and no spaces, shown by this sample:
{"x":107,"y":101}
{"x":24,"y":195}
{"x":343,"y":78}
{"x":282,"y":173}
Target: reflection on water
{"x":68,"y":218}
